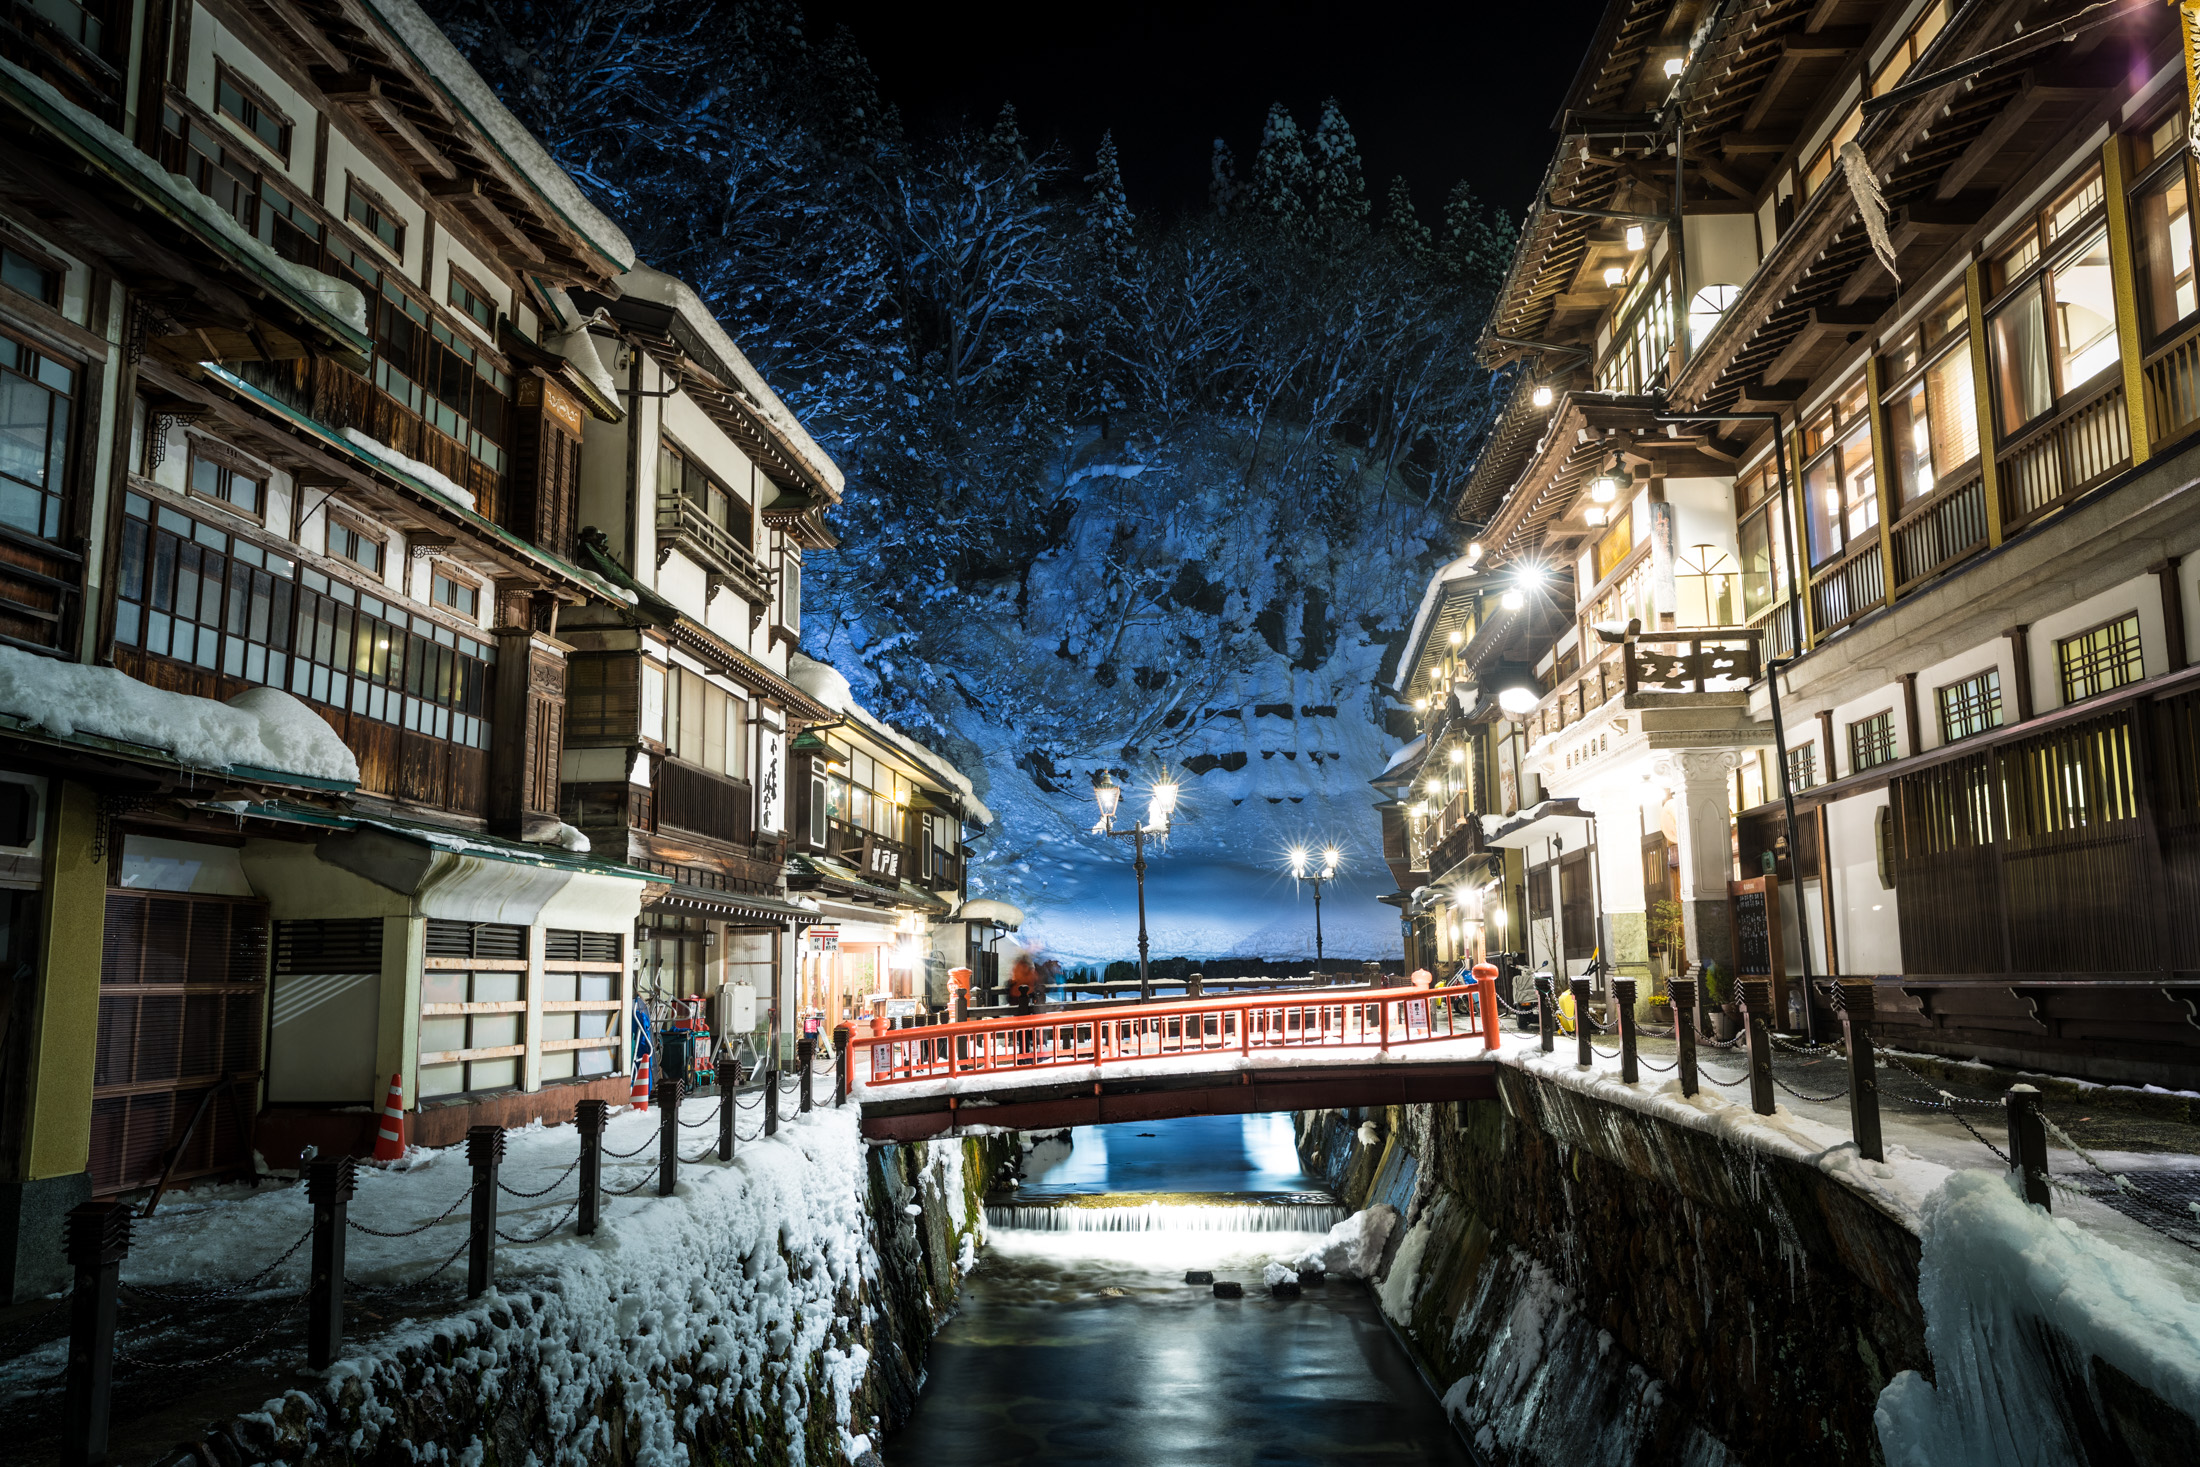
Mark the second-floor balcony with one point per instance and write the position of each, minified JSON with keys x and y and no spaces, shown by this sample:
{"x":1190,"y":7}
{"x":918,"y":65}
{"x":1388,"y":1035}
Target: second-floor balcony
{"x":684,"y":525}
{"x":1667,"y":669}
{"x":876,"y":858}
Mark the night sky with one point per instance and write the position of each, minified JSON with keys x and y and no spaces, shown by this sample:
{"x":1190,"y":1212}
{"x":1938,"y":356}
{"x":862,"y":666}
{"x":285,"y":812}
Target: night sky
{"x":1436,"y":92}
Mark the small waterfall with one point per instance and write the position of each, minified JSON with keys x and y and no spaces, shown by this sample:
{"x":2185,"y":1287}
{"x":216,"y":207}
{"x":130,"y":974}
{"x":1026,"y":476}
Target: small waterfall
{"x":1262,"y":1216}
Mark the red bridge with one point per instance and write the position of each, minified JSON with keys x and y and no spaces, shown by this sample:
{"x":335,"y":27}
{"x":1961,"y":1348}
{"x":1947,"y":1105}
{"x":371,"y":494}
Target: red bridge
{"x":1089,"y":1065}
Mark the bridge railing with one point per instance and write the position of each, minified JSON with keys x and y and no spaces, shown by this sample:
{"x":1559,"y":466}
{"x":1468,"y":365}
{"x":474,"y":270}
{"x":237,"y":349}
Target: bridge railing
{"x":1380,"y":1019}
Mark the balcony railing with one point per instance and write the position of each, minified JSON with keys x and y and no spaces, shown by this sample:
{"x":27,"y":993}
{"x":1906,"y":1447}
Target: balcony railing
{"x":339,"y":398}
{"x":708,"y":804}
{"x":1940,"y":532}
{"x":2173,"y":387}
{"x":2064,"y":457}
{"x":1850,"y":587}
{"x":682,"y":524}
{"x":877,"y":858}
{"x":1712,"y":660}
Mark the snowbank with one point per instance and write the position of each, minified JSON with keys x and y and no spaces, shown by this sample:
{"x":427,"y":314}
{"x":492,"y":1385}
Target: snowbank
{"x":260,"y":728}
{"x":1354,"y":1247}
{"x":465,"y":87}
{"x":336,"y":298}
{"x":1993,"y":1271}
{"x":428,"y":476}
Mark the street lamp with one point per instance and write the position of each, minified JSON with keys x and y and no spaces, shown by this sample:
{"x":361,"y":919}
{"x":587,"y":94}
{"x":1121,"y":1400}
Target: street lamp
{"x":1160,"y":805}
{"x":1303,"y":869}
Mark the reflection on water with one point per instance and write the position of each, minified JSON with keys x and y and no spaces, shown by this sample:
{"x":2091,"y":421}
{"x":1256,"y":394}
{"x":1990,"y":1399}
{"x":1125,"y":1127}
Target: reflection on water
{"x":1195,"y":1154}
{"x":1087,"y":1347}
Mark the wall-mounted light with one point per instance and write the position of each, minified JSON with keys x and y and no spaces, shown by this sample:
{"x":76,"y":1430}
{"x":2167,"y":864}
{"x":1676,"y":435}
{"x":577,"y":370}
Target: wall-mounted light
{"x":1457,"y":638}
{"x":1518,"y":700}
{"x":1458,"y":756}
{"x":1606,"y":486}
{"x":1420,"y":705}
{"x":1542,"y":395}
{"x":1596,"y":514}
{"x":1513,"y":600}
{"x":1615,"y":276}
{"x":1674,"y":65}
{"x":1634,"y":237}
{"x":1474,"y":550}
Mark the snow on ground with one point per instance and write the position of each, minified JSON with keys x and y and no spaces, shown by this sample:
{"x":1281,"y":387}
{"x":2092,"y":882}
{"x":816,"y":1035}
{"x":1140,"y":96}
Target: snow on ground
{"x":736,"y":1272}
{"x":260,"y":728}
{"x":1353,"y":1247}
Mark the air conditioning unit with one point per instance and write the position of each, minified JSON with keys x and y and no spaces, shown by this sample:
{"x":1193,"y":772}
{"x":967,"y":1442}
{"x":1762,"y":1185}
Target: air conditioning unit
{"x":737,"y":1009}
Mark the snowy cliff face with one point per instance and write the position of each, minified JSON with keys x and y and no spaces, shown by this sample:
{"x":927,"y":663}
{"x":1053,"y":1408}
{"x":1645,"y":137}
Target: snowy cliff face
{"x":1181,"y":622}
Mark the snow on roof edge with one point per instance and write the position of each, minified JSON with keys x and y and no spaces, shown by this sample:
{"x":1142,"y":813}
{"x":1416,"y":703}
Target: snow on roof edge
{"x":411,"y":27}
{"x":1421,"y":617}
{"x":668,"y":290}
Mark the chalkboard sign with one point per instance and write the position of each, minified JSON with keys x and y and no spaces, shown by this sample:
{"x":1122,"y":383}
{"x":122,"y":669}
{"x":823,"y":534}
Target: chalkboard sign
{"x":1752,"y":934}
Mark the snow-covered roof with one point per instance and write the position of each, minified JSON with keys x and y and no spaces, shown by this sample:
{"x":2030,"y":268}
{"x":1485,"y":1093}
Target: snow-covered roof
{"x":473,"y":97}
{"x":986,"y":909}
{"x":666,"y":290}
{"x":1407,"y":754}
{"x":1457,"y":570}
{"x":827,"y":686}
{"x":259,"y":729}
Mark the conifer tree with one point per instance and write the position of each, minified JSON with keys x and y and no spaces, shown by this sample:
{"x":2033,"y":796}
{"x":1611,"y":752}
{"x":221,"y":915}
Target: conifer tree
{"x":1107,"y":210}
{"x":1402,"y":222}
{"x":1340,"y":184}
{"x":1283,"y":179}
{"x":1478,"y":241}
{"x":1222,"y":179}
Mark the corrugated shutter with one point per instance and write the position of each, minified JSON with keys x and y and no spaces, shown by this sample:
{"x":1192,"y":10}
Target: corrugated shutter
{"x":182,"y":987}
{"x":564,"y":945}
{"x":449,"y":939}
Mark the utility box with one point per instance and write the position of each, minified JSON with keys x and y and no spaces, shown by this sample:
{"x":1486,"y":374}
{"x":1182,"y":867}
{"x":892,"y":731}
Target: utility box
{"x":737,"y":1009}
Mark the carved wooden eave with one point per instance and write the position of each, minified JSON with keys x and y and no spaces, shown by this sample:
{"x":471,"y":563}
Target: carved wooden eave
{"x":1583,"y":431}
{"x":364,"y":70}
{"x":1941,"y":160}
{"x":1519,"y":427}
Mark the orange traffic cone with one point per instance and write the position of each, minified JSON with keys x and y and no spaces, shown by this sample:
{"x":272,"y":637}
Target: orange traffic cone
{"x":389,"y":1142}
{"x":641,"y":1083}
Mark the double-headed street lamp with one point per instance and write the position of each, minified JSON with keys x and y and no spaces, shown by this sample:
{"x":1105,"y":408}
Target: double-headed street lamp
{"x":1160,"y":804}
{"x":1304,"y":869}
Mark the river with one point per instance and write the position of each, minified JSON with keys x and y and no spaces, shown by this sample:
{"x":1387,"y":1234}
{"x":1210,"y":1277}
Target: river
{"x":1078,"y":1341}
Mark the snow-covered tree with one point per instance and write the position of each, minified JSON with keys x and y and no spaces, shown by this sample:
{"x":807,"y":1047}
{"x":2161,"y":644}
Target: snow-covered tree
{"x":1478,"y":242}
{"x":1223,"y":188}
{"x":1402,"y":222}
{"x":1340,"y":184}
{"x":1283,"y":179}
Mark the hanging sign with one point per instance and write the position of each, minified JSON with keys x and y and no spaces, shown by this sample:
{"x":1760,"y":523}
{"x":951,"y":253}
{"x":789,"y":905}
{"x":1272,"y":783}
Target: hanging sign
{"x":771,"y":779}
{"x":827,"y":939}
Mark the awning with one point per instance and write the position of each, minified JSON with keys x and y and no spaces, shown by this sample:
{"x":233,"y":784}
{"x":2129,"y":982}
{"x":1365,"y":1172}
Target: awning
{"x":737,"y":906}
{"x":844,"y":879}
{"x":1557,"y":818}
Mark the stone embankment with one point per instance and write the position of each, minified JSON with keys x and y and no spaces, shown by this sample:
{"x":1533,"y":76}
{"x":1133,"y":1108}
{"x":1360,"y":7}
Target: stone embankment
{"x":1584,"y":1279}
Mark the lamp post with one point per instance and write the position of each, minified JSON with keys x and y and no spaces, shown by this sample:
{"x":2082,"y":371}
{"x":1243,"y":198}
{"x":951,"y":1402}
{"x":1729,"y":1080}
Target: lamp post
{"x":1303,"y":869}
{"x":1160,"y":804}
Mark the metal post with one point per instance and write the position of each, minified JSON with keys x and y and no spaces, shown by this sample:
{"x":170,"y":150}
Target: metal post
{"x":1855,"y":1001}
{"x":1684,"y":1031}
{"x":1317,"y":924}
{"x":1756,"y":1027}
{"x":1583,"y":1055}
{"x":1623,"y":1007}
{"x":588,"y":1119}
{"x":1546,"y":1006}
{"x":2028,"y":1142}
{"x":729,"y":1081}
{"x":805,"y":1051}
{"x":668,"y":1132}
{"x":484,"y":1152}
{"x":841,"y":1035}
{"x":96,"y":1239}
{"x":329,"y":1185}
{"x":1138,"y":849}
{"x":771,"y":1092}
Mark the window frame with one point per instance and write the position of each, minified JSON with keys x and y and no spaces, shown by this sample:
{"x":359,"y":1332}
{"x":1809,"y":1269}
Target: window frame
{"x":1828,"y":434}
{"x":441,"y":574}
{"x":372,"y":197}
{"x":2054,"y":248}
{"x":228,"y":464}
{"x":2131,"y":657}
{"x":1987,"y":683}
{"x":334,"y":520}
{"x":2146,"y":179}
{"x":56,"y":492}
{"x":255,"y":96}
{"x":460,"y":282}
{"x":1897,"y":386}
{"x":1769,"y":509}
{"x":1872,"y":741}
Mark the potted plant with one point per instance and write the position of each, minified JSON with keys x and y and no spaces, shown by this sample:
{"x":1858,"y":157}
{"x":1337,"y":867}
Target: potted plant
{"x":1724,"y":1001}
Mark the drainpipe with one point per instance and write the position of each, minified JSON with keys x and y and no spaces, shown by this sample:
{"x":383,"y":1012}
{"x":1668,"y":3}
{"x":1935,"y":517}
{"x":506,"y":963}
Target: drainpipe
{"x":1773,"y":669}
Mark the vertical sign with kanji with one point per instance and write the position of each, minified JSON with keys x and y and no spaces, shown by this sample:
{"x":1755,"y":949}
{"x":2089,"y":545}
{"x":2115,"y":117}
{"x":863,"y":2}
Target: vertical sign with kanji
{"x":771,"y":775}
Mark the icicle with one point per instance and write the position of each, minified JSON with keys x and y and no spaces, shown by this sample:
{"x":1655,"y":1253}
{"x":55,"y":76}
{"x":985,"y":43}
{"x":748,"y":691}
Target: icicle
{"x":1871,"y":205}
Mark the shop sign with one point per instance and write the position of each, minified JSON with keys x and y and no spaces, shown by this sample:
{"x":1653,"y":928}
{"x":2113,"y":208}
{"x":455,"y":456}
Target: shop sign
{"x":771,"y":780}
{"x":825,"y":938}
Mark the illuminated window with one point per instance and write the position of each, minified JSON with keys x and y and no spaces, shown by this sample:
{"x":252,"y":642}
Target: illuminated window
{"x":1932,"y":407}
{"x":1871,"y":741}
{"x":1970,"y":706}
{"x":2052,"y":329}
{"x":2104,"y":658}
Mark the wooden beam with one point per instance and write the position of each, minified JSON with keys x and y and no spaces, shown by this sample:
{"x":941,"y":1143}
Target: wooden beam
{"x":361,"y":94}
{"x":1823,"y":322}
{"x":2014,"y":115}
{"x":1718,"y":177}
{"x":1773,"y":143}
{"x":1830,"y":44}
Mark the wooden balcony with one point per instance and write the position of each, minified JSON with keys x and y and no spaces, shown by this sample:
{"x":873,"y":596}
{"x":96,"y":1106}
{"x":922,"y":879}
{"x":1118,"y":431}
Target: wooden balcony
{"x":682,"y":525}
{"x":2173,"y":387}
{"x":708,"y":804}
{"x":877,"y":858}
{"x":1692,"y":663}
{"x":2048,"y":466}
{"x":1452,"y":835}
{"x":73,"y":59}
{"x":943,"y":869}
{"x":1940,"y":532}
{"x":1850,"y":587}
{"x":339,"y":398}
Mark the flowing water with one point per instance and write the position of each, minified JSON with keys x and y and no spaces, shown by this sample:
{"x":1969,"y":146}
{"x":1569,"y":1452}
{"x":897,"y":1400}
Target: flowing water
{"x":1078,"y":1341}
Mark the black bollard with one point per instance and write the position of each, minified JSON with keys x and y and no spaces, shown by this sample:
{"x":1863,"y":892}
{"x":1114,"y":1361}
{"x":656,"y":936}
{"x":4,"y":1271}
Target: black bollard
{"x":806,"y":1056}
{"x":484,"y":1153}
{"x":96,"y":1240}
{"x":588,"y":1119}
{"x":842,"y":1033}
{"x":329,"y":1185}
{"x":1684,"y":1031}
{"x":728,"y":1071}
{"x":668,"y":1133}
{"x":2028,"y":1143}
{"x":1546,"y":1012}
{"x":1757,"y":1017}
{"x":1623,"y":1008}
{"x":771,"y":1090}
{"x":1583,"y":1055}
{"x":1854,"y":999}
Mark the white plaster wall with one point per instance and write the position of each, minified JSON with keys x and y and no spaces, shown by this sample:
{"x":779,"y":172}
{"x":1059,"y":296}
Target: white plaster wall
{"x":1864,"y":911}
{"x":210,"y":40}
{"x":1971,"y":660}
{"x":343,"y":157}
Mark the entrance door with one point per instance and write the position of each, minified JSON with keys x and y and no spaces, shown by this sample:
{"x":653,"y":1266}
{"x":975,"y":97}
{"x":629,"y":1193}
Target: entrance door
{"x":182,"y":995}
